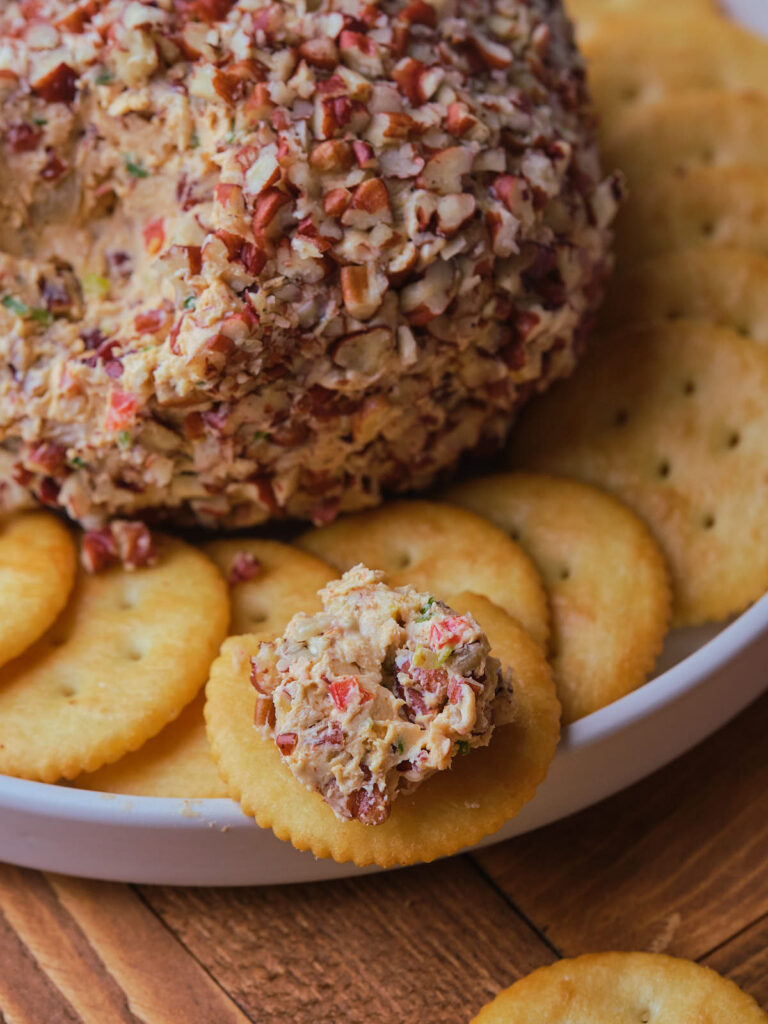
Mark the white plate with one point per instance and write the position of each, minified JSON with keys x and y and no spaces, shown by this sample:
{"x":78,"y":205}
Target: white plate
{"x":706,"y":677}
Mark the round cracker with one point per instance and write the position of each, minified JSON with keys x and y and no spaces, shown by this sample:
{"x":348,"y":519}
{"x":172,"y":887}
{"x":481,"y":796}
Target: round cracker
{"x":37,"y":569}
{"x":591,"y":14}
{"x":441,"y":549}
{"x":286,"y":582}
{"x":704,"y":206}
{"x":643,"y":59}
{"x":673,"y":419}
{"x":452,"y":809}
{"x":175,"y":763}
{"x":178,"y":762}
{"x":129,"y":652}
{"x":699,"y":129}
{"x":623,"y":988}
{"x":721,"y":284}
{"x":606,"y":579}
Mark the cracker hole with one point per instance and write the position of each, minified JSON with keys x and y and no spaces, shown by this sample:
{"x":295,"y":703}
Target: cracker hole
{"x":674,"y":313}
{"x":126,"y":601}
{"x":707,"y":228}
{"x":256,"y":618}
{"x":689,"y":387}
{"x":707,"y":155}
{"x":708,"y":521}
{"x":134,"y":651}
{"x":664,"y":469}
{"x":734,"y":439}
{"x":645,"y":1017}
{"x":621,"y":418}
{"x":403,"y":561}
{"x":66,"y":691}
{"x":630,"y":92}
{"x":565,"y":573}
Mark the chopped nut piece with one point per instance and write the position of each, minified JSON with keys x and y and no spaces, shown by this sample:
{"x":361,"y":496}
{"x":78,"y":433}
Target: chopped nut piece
{"x":363,"y":289}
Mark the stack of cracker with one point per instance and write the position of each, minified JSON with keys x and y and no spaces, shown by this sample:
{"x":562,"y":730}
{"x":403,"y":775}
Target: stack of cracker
{"x":668,"y":410}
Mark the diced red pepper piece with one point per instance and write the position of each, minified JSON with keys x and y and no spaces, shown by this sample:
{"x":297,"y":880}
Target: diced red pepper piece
{"x":122,"y":409}
{"x":346,"y":690}
{"x":154,"y":236}
{"x":456,"y":692}
{"x":449,"y":631}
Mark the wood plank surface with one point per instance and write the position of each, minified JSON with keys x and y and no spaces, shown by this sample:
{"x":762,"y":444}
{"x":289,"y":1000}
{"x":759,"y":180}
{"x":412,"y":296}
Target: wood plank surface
{"x":744,"y":959}
{"x":93,"y":953}
{"x":678,"y":863}
{"x":428,"y":945}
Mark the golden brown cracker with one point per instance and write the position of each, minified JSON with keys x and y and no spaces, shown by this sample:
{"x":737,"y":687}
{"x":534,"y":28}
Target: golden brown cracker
{"x":452,"y":809}
{"x":704,"y":206}
{"x":673,"y":419}
{"x":178,"y":762}
{"x":643,"y":59}
{"x":605,"y":576}
{"x":38,"y":560}
{"x":286,"y":582}
{"x":707,"y":128}
{"x":724,"y":285}
{"x":623,"y":988}
{"x":589,"y":15}
{"x":175,"y":763}
{"x":440,"y":549}
{"x":128,"y":653}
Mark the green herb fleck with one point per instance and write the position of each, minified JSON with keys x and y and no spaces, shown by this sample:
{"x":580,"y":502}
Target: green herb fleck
{"x":96,"y":285}
{"x":42,"y":316}
{"x":400,"y":746}
{"x":41,"y":122}
{"x":444,"y":654}
{"x":462,"y":747}
{"x":15,"y":305}
{"x":194,"y":141}
{"x":104,"y":77}
{"x":190,"y":302}
{"x":231,"y":134}
{"x":426,"y":612}
{"x":124,"y":439}
{"x":135,"y":169}
{"x":77,"y":461}
{"x":260,"y":435}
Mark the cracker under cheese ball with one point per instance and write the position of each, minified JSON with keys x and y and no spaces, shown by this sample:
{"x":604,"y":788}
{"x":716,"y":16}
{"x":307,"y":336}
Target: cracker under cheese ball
{"x":264,"y":259}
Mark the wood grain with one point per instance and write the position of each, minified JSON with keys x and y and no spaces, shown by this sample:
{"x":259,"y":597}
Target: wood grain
{"x":677,"y":863}
{"x":427,"y":945}
{"x":93,"y":953}
{"x":744,"y":959}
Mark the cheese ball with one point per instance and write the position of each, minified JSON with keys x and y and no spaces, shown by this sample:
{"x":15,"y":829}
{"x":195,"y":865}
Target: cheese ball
{"x":265,"y":259}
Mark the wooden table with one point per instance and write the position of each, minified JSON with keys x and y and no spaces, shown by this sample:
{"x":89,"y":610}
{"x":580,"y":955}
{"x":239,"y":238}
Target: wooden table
{"x":678,"y":863}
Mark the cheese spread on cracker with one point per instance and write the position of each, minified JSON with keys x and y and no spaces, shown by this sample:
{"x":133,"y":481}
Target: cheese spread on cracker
{"x":383,"y":688}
